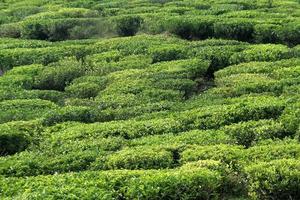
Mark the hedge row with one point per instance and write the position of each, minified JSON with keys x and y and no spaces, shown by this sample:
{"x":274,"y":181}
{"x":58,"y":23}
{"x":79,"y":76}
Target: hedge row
{"x":257,"y":67}
{"x":197,"y":137}
{"x":17,"y":136}
{"x":277,"y":179}
{"x":254,"y":22}
{"x":205,"y":118}
{"x":84,"y":110}
{"x":136,"y":158}
{"x":106,"y":154}
{"x":8,"y":93}
{"x":257,"y":77}
{"x":24,"y":56}
{"x":191,"y":27}
{"x":24,"y":109}
{"x":238,"y":156}
{"x":251,"y":132}
{"x":262,"y":52}
{"x":198,"y":183}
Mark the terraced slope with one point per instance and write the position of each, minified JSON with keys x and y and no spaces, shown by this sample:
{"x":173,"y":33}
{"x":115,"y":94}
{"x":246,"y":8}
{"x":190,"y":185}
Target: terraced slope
{"x":157,"y":100}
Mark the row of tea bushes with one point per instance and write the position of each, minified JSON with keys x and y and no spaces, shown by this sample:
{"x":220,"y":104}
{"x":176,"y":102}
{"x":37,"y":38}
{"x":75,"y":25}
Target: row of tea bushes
{"x":24,"y":109}
{"x":257,"y":67}
{"x":278,"y":179}
{"x":58,"y":26}
{"x":199,"y":183}
{"x":251,"y":30}
{"x":78,"y":156}
{"x":160,"y":183}
{"x":203,"y":118}
{"x":119,"y":54}
{"x":258,"y":77}
{"x":25,"y":56}
{"x":238,"y":157}
{"x":18,"y":135}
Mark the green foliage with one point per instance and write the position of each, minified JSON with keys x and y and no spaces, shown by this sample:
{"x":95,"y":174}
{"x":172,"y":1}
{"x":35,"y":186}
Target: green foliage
{"x":59,"y":76}
{"x":136,"y":158}
{"x":180,"y":114}
{"x":25,"y":56}
{"x":17,"y":136}
{"x":189,"y":28}
{"x":225,"y":153}
{"x":265,"y":52}
{"x":167,"y":53}
{"x":34,"y":30}
{"x":277,"y":179}
{"x":288,"y":33}
{"x":290,"y":118}
{"x":197,"y":137}
{"x":14,"y":110}
{"x":249,"y":133}
{"x":30,"y":70}
{"x":68,"y":113}
{"x":128,"y":25}
{"x":84,"y":90}
{"x":269,"y":151}
{"x":266,"y":33}
{"x":239,"y":30}
{"x":200,"y":183}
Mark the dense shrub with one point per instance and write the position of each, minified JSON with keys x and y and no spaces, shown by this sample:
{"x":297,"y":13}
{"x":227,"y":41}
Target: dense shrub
{"x":190,"y":27}
{"x":273,"y":150}
{"x":257,"y":67}
{"x":128,"y":25}
{"x":266,"y":52}
{"x":100,"y":144}
{"x":136,"y":158}
{"x":218,"y":56}
{"x":12,"y":30}
{"x":289,"y":33}
{"x":204,"y":118}
{"x":250,"y":83}
{"x":266,"y":33}
{"x":248,"y":133}
{"x":238,"y":30}
{"x":16,"y":81}
{"x":59,"y":76}
{"x":290,"y":117}
{"x":25,"y":56}
{"x":189,"y":68}
{"x":34,"y":30}
{"x":68,"y":113}
{"x":83,"y":90}
{"x":192,"y":183}
{"x":30,"y":70}
{"x":274,"y":180}
{"x":60,"y":29}
{"x":50,"y":95}
{"x":197,"y":137}
{"x":33,"y":163}
{"x":167,"y":53}
{"x":230,"y":154}
{"x":199,"y":183}
{"x":13,"y":110}
{"x":17,"y":136}
{"x":129,"y":129}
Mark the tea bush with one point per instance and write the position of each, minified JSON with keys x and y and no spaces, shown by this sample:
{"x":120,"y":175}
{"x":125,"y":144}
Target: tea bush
{"x":277,"y":179}
{"x":249,"y":133}
{"x":136,"y":158}
{"x":25,"y":109}
{"x":17,"y":136}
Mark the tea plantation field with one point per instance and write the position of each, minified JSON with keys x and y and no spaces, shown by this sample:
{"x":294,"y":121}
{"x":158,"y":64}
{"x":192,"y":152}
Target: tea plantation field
{"x":149,"y":99}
